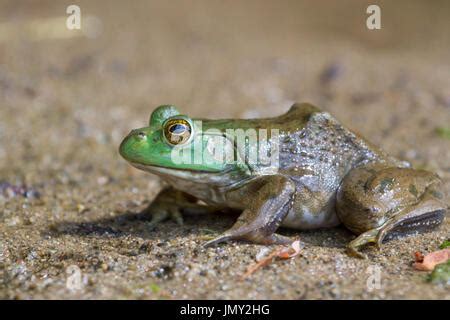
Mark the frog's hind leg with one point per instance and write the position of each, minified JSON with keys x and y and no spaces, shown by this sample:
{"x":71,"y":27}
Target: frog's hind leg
{"x":379,"y":202}
{"x":410,"y":221}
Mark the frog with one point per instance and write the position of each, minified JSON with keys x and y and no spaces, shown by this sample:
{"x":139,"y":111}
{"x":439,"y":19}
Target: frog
{"x":320,"y":175}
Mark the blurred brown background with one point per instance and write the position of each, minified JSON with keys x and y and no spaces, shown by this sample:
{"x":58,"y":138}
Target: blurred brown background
{"x":68,"y":97}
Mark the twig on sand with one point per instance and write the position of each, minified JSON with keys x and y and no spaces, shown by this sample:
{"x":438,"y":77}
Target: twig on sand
{"x":280,"y":252}
{"x":429,"y":261}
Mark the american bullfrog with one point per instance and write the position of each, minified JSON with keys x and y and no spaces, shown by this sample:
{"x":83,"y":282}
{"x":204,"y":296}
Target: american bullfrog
{"x":310,"y":172}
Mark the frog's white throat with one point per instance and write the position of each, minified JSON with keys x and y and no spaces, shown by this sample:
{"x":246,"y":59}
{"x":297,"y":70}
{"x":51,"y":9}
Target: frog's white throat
{"x":220,"y":179}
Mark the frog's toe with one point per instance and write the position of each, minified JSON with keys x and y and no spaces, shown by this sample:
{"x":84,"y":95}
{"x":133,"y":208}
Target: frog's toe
{"x":354,"y":252}
{"x":175,"y":215}
{"x":380,"y":237}
{"x":157,"y":217}
{"x":162,"y":212}
{"x":222,"y":238}
{"x":363,"y":239}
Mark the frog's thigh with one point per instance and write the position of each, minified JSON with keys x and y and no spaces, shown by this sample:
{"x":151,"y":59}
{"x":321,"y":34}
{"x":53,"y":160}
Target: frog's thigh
{"x":312,"y":210}
{"x":374,"y":201}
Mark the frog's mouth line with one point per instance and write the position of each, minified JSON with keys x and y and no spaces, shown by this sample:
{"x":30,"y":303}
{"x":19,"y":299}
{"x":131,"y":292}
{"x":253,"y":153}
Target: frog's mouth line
{"x":159,"y":169}
{"x":222,"y":179}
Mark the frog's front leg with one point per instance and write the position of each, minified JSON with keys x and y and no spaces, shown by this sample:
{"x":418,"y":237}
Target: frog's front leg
{"x":169,"y":203}
{"x":268,"y":199}
{"x":376,"y":200}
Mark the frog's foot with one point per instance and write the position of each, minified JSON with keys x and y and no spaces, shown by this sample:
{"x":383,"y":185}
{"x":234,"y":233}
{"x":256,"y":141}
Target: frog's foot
{"x":363,"y":239}
{"x":162,"y":211}
{"x":379,"y":203}
{"x":259,"y":222}
{"x":403,"y":223}
{"x":169,"y":204}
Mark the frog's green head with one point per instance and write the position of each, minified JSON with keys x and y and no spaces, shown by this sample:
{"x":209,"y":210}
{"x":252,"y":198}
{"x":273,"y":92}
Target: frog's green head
{"x":173,"y":144}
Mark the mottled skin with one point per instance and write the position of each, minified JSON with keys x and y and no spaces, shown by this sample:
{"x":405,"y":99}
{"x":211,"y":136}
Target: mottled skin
{"x":326,"y":175}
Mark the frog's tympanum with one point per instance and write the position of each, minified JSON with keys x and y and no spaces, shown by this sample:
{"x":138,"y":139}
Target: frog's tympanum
{"x":319,"y":174}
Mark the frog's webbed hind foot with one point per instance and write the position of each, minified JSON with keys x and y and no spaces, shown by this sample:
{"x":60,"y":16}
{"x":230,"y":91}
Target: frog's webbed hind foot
{"x":359,"y":242}
{"x":379,"y":202}
{"x":401,"y":225}
{"x":258,"y":223}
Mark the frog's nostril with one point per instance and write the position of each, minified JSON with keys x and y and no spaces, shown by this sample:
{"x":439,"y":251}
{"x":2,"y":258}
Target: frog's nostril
{"x":141,"y":135}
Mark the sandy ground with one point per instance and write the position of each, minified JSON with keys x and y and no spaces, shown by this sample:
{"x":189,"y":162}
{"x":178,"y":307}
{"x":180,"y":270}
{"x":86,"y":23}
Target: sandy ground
{"x":68,"y":97}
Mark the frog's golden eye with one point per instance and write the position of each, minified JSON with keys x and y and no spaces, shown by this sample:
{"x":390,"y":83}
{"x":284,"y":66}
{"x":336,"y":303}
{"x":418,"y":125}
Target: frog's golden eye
{"x":177,"y":131}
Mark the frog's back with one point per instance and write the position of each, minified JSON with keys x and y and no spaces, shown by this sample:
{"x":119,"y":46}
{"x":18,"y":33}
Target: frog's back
{"x":317,"y":154}
{"x":314,"y":141}
{"x":295,"y":119}
{"x":310,"y":140}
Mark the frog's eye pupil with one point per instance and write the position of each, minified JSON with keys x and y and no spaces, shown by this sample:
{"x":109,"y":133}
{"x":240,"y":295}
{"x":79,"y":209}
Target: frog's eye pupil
{"x":177,"y":129}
